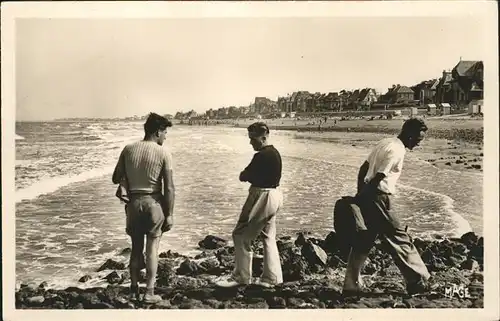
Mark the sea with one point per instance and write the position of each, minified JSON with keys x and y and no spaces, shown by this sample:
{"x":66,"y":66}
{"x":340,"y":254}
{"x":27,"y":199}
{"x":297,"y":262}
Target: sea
{"x":68,"y":220}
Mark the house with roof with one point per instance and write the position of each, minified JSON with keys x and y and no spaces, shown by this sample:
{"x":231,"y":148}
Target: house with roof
{"x":264,"y":105}
{"x":366,"y":98}
{"x":281,"y":104}
{"x":468,"y":80}
{"x":445,"y":88}
{"x":301,"y":101}
{"x":344,"y":99}
{"x":331,"y":101}
{"x":425,"y":91}
{"x":397,"y":94}
{"x":352,"y":100}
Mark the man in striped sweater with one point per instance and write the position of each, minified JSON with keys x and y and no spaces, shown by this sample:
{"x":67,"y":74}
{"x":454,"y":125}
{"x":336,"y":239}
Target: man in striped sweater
{"x":145,"y":166}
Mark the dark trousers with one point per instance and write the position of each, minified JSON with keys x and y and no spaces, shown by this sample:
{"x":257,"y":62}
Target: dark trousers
{"x":384,"y":223}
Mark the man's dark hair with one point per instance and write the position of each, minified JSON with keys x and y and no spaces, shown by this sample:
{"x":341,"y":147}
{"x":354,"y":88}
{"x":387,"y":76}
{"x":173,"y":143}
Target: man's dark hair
{"x":258,"y":128}
{"x":413,"y":125}
{"x":154,"y":123}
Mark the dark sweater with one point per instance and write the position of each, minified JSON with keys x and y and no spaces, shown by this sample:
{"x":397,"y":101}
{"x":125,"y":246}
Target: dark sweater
{"x":264,"y":170}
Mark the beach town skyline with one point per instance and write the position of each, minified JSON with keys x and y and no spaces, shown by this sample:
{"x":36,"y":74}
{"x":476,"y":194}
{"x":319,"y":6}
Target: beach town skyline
{"x":110,"y":70}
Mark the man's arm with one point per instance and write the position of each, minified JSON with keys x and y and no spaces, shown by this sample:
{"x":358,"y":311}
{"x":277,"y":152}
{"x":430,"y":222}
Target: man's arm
{"x":390,"y":160}
{"x":362,"y":174}
{"x":168,"y":186}
{"x":119,"y":171}
{"x":247,"y":174}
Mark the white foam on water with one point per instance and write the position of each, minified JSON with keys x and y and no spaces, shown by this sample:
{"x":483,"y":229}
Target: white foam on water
{"x":52,"y":184}
{"x":462,"y":225}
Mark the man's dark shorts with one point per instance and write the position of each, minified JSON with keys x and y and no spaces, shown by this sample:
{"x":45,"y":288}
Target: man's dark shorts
{"x":144,"y":215}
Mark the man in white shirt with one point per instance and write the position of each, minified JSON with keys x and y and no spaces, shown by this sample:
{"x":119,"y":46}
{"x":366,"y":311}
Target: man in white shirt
{"x":376,"y":182}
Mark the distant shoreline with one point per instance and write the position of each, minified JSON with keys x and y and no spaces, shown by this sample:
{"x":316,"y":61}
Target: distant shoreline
{"x":455,"y":144}
{"x":467,"y":130}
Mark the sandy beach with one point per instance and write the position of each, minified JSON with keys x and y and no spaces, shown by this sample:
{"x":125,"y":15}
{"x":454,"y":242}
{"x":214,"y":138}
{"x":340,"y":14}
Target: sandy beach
{"x":454,"y":143}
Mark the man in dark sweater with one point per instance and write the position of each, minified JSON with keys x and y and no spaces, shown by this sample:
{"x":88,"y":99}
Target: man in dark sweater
{"x":258,"y":216}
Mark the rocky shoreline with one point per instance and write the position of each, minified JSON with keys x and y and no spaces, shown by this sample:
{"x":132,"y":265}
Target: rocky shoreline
{"x":313,"y":271}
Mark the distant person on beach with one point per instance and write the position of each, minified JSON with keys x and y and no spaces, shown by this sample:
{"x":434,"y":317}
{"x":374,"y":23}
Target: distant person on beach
{"x":376,"y":184}
{"x":146,"y":165}
{"x":258,"y":216}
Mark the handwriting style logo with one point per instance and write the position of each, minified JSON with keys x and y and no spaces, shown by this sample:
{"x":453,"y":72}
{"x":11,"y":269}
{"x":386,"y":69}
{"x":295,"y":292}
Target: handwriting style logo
{"x":459,"y":290}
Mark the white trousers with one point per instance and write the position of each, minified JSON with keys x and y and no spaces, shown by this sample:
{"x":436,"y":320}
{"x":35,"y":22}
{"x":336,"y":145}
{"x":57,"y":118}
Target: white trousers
{"x":258,"y":217}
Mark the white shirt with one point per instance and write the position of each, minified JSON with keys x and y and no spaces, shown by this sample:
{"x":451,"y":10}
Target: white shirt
{"x":387,"y":158}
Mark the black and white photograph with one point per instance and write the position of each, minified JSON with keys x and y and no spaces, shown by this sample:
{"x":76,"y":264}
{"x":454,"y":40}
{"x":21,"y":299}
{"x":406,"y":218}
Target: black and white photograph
{"x":336,"y":157}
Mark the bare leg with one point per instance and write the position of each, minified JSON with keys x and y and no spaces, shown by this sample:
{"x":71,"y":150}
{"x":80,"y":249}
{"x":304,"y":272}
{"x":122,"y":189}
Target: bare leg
{"x":136,"y":259}
{"x":152,"y":245}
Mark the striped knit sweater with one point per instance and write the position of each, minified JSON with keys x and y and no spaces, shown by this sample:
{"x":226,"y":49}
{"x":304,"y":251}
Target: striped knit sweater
{"x":142,"y":164}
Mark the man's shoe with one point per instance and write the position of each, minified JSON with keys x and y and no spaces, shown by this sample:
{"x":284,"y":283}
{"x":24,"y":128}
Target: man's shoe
{"x":420,"y":287}
{"x":230,"y":282}
{"x":134,"y":294}
{"x":151,"y":298}
{"x":265,"y":284}
{"x":359,"y":290}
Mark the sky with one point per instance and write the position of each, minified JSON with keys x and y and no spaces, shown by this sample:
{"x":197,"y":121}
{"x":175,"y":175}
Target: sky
{"x":125,"y":67}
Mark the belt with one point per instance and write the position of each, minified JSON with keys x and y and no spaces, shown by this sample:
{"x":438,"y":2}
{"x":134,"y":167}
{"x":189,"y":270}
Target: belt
{"x":139,"y":194}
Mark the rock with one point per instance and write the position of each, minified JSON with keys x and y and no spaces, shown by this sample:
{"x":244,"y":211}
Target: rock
{"x":58,"y":305}
{"x":335,"y":262}
{"x":460,"y":248}
{"x":191,"y":304}
{"x":186,"y":282}
{"x":226,"y":262}
{"x":43,"y":285}
{"x":370,"y":268}
{"x":188,"y":267}
{"x":469,"y":239}
{"x":164,"y":304}
{"x":459,"y":161}
{"x":476,"y":166}
{"x":111,"y":265}
{"x":294,"y":265}
{"x":211,"y":242}
{"x":448,"y":163}
{"x":258,"y":305}
{"x":85,"y":278}
{"x":314,"y":254}
{"x":276,"y":303}
{"x":257,"y":265}
{"x":142,"y":276}
{"x":470,"y":264}
{"x":203,"y":255}
{"x":170,"y":255}
{"x":210,"y":265}
{"x":301,"y":239}
{"x":126,"y":251}
{"x":212,"y":303}
{"x":36,"y":300}
{"x":102,"y":305}
{"x":456,"y":260}
{"x":120,"y":302}
{"x":165,"y":272}
{"x":295,"y":302}
{"x":113,"y":278}
{"x":283,"y":245}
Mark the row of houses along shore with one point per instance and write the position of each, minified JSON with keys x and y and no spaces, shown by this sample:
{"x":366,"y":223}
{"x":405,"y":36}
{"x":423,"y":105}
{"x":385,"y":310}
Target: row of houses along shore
{"x":457,"y":90}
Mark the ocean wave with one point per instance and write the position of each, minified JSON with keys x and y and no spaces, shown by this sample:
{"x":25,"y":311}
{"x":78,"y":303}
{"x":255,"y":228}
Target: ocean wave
{"x":462,"y":225}
{"x":50,"y":185}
